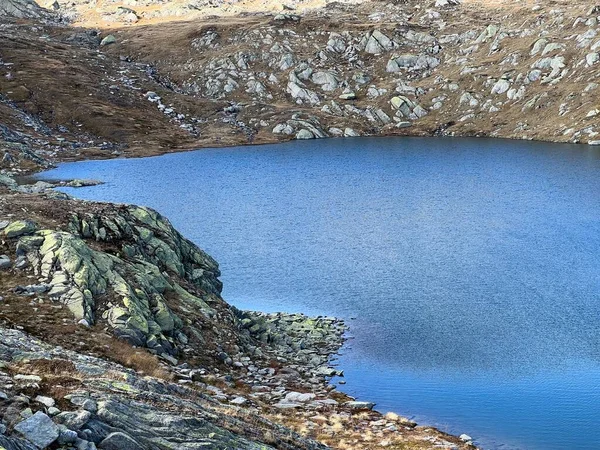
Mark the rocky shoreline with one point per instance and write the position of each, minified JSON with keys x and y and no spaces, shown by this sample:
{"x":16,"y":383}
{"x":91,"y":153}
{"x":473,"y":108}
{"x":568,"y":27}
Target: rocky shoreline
{"x":66,"y":262}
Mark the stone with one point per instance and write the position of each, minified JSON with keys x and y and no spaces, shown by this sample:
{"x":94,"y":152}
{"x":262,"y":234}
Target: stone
{"x":297,"y":397}
{"x":304,"y":134}
{"x":90,"y":405}
{"x":377,"y":42}
{"x":5,"y":262}
{"x":465,"y":438}
{"x":82,"y":444}
{"x":19,"y":228}
{"x":73,"y":420}
{"x":38,"y":429}
{"x":501,"y":86}
{"x":327,"y":80}
{"x":110,"y":39}
{"x":48,"y":402}
{"x":66,"y":436}
{"x":348,"y":96}
{"x":592,"y":58}
{"x":28,"y":378}
{"x":326,"y":371}
{"x":238,"y":401}
{"x":287,"y":405}
{"x":283,"y":128}
{"x":359,"y":405}
{"x":119,"y":441}
{"x":303,"y":94}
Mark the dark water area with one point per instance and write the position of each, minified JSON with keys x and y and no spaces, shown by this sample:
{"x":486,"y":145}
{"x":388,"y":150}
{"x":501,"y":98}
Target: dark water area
{"x":468,"y":269}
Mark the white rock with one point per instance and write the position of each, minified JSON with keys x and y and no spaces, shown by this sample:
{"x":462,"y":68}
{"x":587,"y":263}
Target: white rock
{"x":501,"y":86}
{"x":48,"y":402}
{"x":238,"y":401}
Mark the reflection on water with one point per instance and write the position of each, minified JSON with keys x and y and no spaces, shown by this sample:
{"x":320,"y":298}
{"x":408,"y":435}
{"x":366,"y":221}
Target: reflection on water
{"x":472,"y":267}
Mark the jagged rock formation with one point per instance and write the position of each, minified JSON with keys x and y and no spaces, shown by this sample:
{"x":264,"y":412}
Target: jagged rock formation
{"x":78,"y":276}
{"x":22,"y":9}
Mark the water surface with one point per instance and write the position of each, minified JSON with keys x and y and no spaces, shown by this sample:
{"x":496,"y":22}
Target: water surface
{"x":469,"y":270}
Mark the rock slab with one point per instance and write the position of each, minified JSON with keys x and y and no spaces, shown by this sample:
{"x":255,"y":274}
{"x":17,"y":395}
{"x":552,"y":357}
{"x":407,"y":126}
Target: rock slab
{"x":38,"y":429}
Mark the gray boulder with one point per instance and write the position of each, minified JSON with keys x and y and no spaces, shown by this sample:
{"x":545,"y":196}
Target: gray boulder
{"x":5,"y":262}
{"x":304,"y":134}
{"x":377,"y":42}
{"x":13,"y":443}
{"x":359,"y":405}
{"x":38,"y":429}
{"x":73,"y":420}
{"x":327,"y":80}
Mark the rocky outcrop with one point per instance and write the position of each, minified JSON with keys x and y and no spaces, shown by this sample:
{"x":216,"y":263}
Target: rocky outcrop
{"x":153,"y":266}
{"x":22,"y":9}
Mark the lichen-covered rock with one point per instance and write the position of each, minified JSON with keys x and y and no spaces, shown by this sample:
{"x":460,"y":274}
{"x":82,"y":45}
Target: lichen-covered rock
{"x":19,"y":228}
{"x":151,"y":249}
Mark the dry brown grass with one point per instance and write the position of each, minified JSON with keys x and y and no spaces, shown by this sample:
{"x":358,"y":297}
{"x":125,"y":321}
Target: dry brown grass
{"x":138,"y":359}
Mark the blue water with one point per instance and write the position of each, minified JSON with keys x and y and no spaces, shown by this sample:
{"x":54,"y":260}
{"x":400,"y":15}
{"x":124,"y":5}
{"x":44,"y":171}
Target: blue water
{"x":469,"y":270}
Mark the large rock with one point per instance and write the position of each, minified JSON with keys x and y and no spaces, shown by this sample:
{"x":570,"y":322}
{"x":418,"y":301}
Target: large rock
{"x":38,"y":429}
{"x":359,"y":405}
{"x":5,"y":262}
{"x":22,"y":9}
{"x":73,"y":420}
{"x":119,"y":441}
{"x":304,"y":134}
{"x":15,"y":443}
{"x":305,"y":95}
{"x":376,"y":42}
{"x":19,"y":228}
{"x":327,"y":80}
{"x":406,"y":108}
{"x":501,"y":86}
{"x":412,"y":62}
